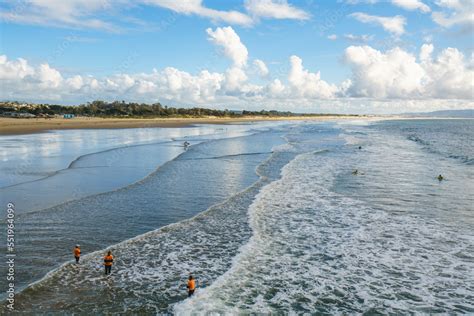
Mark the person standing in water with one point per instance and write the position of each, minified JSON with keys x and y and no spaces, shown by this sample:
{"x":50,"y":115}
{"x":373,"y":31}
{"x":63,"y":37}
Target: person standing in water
{"x":77,"y":253}
{"x":191,"y":286}
{"x":108,"y":260}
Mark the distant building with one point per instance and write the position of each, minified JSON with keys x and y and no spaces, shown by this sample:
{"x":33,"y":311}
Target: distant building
{"x":68,"y":116}
{"x":236,"y":112}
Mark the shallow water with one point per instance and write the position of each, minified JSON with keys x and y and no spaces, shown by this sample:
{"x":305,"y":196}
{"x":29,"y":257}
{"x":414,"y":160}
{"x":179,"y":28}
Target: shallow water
{"x":177,"y":190}
{"x":61,"y":166}
{"x":287,"y":228}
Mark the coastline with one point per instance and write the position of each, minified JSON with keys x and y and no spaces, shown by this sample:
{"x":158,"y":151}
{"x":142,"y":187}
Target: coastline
{"x":18,"y":126}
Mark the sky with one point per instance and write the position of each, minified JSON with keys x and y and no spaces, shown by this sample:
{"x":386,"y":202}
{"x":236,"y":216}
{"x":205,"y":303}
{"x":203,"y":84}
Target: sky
{"x":340,"y":56}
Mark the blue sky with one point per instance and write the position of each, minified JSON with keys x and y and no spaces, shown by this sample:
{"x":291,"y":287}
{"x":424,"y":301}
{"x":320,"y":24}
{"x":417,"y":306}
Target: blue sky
{"x":351,"y":56}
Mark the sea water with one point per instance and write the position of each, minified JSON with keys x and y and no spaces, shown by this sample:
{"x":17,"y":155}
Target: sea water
{"x":283,"y":225}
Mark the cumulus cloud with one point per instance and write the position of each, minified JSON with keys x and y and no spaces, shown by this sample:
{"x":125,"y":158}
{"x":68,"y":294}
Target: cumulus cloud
{"x":449,"y":74}
{"x":44,"y":82}
{"x":275,"y":9}
{"x":14,"y":69}
{"x":398,"y":74}
{"x":392,"y":75}
{"x":394,"y":25}
{"x":307,"y":84}
{"x":425,"y":52}
{"x":235,"y":78}
{"x":276,"y":88}
{"x":233,"y":48}
{"x":412,"y":5}
{"x":261,"y":67}
{"x":18,"y":78}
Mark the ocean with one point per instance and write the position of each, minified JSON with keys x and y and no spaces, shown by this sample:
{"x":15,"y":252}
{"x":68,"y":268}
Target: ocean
{"x":343,"y":217}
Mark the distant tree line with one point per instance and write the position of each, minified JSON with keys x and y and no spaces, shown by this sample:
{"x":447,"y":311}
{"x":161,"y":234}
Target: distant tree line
{"x":131,"y":109}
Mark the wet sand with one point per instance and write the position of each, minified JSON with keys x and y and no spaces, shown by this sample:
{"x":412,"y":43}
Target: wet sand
{"x":12,"y":126}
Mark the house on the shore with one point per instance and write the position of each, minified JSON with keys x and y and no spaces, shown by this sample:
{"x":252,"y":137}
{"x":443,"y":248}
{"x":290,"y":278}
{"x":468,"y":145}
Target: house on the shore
{"x":68,"y":116}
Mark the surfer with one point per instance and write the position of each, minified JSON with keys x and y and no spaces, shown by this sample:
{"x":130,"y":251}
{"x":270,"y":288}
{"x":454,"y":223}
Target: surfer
{"x":108,"y":260}
{"x":191,"y":286}
{"x":440,"y":178}
{"x":355,"y":172}
{"x":77,"y":253}
{"x":186,"y":144}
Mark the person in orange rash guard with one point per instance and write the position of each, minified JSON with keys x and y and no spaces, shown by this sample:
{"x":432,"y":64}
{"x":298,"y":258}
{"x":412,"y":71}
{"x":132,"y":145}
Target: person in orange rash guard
{"x":77,"y":253}
{"x":191,"y":286}
{"x":108,"y":260}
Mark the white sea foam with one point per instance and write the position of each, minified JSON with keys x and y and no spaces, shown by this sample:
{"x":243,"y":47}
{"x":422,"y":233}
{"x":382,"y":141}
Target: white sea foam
{"x":313,"y":250}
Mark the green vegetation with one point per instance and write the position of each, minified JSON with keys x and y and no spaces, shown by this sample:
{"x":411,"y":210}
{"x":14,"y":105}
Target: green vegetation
{"x":132,"y":109}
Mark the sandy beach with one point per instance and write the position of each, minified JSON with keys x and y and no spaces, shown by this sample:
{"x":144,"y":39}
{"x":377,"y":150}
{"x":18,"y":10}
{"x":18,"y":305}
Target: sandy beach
{"x":12,"y":126}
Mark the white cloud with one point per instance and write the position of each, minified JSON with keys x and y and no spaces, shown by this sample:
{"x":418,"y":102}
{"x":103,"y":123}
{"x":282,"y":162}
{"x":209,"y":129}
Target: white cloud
{"x":275,"y":9}
{"x":364,"y":38}
{"x":394,"y":25}
{"x":375,"y":74}
{"x":49,"y":77}
{"x":449,"y":74}
{"x":262,"y":69}
{"x":196,"y":7}
{"x":361,"y":1}
{"x":235,"y":78}
{"x":397,"y":74}
{"x":19,"y":79}
{"x":71,"y":13}
{"x":307,"y":84}
{"x":14,"y":69}
{"x":425,"y":52}
{"x":455,"y":12}
{"x":231,"y":44}
{"x":378,"y":78}
{"x":412,"y":5}
{"x":90,"y":13}
{"x":75,"y":83}
{"x":276,"y":88}
{"x":96,"y":14}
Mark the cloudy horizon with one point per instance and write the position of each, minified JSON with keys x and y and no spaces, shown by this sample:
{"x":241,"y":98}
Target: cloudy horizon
{"x":353,"y":56}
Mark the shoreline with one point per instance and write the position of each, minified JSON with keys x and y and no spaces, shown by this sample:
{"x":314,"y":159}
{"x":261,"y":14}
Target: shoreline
{"x":19,"y":126}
